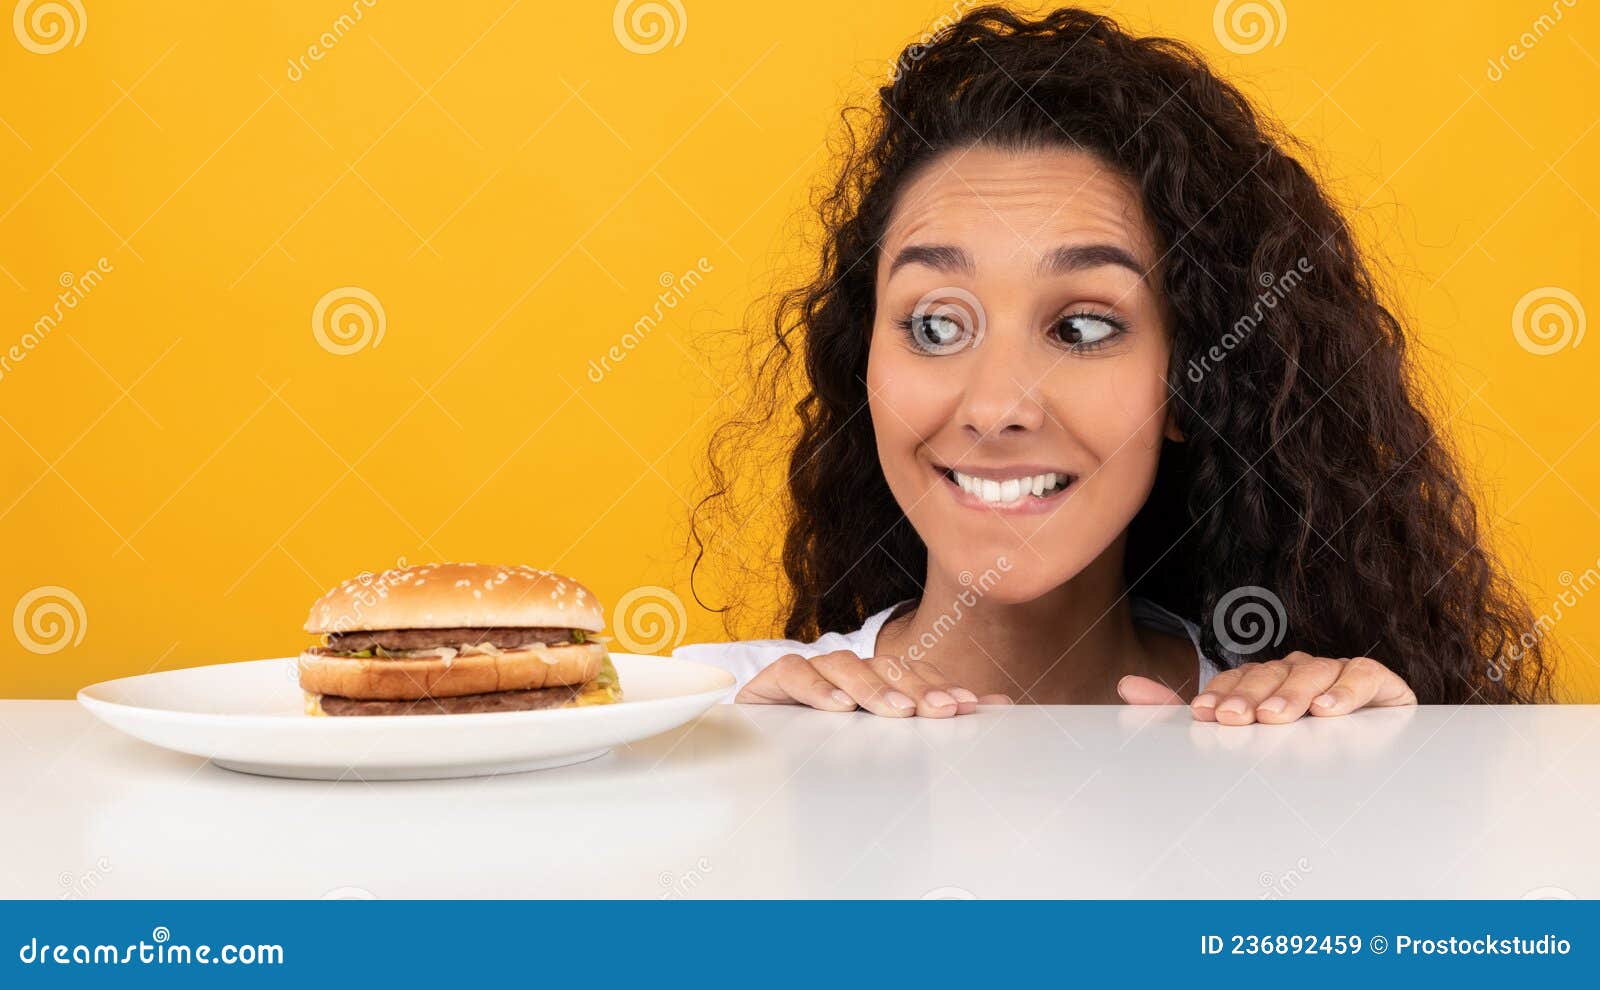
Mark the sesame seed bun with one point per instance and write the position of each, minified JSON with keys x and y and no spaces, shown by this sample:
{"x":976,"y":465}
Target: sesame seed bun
{"x":445,"y":596}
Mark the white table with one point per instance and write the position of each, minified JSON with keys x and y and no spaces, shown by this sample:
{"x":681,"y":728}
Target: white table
{"x":780,"y":802}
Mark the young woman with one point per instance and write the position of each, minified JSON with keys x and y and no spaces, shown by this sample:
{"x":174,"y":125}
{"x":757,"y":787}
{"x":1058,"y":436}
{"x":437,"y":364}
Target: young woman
{"x":1098,"y":399}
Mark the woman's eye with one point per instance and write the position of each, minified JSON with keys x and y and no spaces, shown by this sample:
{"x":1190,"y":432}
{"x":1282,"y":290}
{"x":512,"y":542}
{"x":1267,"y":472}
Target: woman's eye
{"x":937,"y":331}
{"x":1085,"y":331}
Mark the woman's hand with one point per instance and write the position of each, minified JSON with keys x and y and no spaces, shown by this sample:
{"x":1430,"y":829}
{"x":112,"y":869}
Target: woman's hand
{"x":842,"y":682}
{"x":1282,"y":690}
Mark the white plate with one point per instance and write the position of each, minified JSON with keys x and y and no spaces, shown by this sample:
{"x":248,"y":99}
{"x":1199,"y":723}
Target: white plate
{"x":250,"y":717}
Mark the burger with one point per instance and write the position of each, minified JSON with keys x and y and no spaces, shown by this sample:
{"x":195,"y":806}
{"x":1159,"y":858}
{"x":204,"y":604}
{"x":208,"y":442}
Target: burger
{"x":446,"y":639}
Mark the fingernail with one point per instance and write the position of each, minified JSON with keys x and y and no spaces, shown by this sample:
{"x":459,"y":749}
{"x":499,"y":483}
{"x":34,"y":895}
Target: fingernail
{"x":898,"y":700}
{"x":1233,"y":706}
{"x":1325,"y":701}
{"x":939,"y":699}
{"x":840,"y":698}
{"x":963,"y":695}
{"x":1272,"y":706}
{"x":1205,"y":701}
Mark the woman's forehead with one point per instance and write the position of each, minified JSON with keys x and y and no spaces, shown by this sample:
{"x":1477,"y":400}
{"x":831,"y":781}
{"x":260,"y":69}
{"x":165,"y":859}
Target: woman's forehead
{"x":1014,"y":206}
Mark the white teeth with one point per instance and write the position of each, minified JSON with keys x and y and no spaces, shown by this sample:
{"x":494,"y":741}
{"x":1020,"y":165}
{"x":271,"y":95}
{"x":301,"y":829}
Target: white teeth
{"x":1011,"y":490}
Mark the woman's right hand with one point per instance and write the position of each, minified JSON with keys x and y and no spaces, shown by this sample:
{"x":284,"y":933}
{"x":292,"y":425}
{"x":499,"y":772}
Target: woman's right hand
{"x":842,"y":682}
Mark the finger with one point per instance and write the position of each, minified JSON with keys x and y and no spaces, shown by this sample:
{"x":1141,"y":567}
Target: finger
{"x":1257,"y":684}
{"x":1308,"y":677}
{"x":931,"y":702}
{"x":1136,"y":690}
{"x":1364,"y":682}
{"x":854,"y":677}
{"x":966,"y":701}
{"x":792,"y":680}
{"x":1204,"y":705}
{"x":995,"y":699}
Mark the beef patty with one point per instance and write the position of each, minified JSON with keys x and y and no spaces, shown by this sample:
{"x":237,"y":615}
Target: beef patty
{"x":504,"y":637}
{"x":499,"y":701}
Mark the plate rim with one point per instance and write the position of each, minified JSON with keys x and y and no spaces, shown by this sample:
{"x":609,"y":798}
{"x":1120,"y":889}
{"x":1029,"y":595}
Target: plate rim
{"x":91,"y":703}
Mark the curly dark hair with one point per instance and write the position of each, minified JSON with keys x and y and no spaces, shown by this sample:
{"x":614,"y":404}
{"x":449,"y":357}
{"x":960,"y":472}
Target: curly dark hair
{"x":1309,"y":465}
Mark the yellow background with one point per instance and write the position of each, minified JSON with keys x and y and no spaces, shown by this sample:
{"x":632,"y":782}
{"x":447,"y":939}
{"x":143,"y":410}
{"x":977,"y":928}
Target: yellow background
{"x":510,"y":182}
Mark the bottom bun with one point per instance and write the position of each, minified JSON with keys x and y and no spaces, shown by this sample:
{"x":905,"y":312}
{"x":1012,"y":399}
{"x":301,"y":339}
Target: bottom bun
{"x":409,"y":679}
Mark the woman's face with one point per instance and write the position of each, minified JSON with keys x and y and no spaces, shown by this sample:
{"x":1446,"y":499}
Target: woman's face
{"x":1017,"y":370}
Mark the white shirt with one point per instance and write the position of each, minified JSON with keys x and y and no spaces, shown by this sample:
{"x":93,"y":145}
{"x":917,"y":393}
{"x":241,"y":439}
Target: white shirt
{"x":747,"y":658}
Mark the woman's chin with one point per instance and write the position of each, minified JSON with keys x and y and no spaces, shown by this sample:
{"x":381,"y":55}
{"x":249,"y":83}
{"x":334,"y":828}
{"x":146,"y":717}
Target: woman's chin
{"x":1010,"y":576}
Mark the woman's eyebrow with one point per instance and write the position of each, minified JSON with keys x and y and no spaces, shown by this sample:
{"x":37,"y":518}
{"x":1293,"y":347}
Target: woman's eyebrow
{"x":939,"y":257}
{"x":1078,"y":257}
{"x":1060,"y":261}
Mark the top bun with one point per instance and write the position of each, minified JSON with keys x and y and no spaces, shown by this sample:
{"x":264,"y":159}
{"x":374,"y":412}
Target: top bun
{"x":444,"y":596}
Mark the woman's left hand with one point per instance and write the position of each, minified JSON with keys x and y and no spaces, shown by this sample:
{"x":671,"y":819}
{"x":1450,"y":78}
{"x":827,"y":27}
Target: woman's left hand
{"x":1282,"y":690}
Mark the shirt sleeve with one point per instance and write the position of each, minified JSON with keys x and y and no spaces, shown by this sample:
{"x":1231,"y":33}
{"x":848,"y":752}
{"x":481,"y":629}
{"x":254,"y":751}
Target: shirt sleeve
{"x":745,"y":659}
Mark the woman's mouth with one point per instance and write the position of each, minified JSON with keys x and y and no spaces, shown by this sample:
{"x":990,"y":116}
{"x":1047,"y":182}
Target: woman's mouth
{"x":1008,"y":488}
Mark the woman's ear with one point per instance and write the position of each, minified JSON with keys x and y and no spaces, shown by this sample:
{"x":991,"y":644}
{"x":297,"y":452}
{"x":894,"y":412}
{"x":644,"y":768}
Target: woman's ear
{"x":1171,"y":431}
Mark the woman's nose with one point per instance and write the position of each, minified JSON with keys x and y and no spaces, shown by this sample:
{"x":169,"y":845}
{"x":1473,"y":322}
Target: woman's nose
{"x":1001,"y":392}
